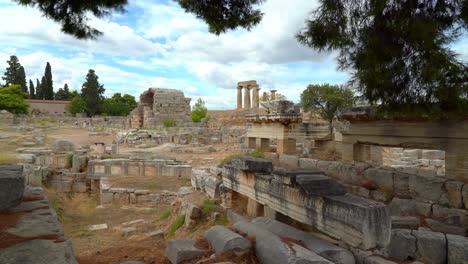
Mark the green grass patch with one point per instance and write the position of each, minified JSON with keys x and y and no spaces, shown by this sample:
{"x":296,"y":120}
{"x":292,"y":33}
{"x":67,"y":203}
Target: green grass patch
{"x":227,"y":160}
{"x":151,"y":186}
{"x":208,"y":206}
{"x":42,"y":123}
{"x":165,"y":214}
{"x":176,"y":225}
{"x":222,"y":220}
{"x":257,"y":154}
{"x":59,"y":208}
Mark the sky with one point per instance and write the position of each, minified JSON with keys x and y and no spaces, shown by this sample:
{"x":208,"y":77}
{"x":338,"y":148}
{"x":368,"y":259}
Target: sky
{"x":157,"y":44}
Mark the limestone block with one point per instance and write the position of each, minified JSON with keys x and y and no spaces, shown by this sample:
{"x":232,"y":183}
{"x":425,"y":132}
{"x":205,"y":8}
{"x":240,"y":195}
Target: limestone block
{"x":305,"y":163}
{"x":128,"y":231}
{"x":382,"y":178}
{"x":155,"y":234}
{"x":431,"y":247}
{"x":433,"y":154}
{"x":454,"y":192}
{"x":107,"y":197}
{"x":224,"y":240}
{"x":405,"y":222}
{"x":412,"y":153}
{"x":401,"y":184}
{"x":26,"y":158}
{"x":289,"y":160}
{"x":116,"y":170}
{"x":437,"y":226}
{"x":377,"y":260}
{"x":62,"y":146}
{"x":408,"y":207}
{"x":178,"y":251}
{"x":465,"y":195}
{"x":402,"y":245}
{"x":319,"y":185}
{"x":39,"y":251}
{"x":426,"y":188}
{"x":457,"y":249}
{"x":321,"y":247}
{"x":252,"y":164}
{"x":450,"y":216}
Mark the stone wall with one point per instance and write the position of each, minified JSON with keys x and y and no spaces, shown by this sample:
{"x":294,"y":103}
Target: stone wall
{"x":47,"y":107}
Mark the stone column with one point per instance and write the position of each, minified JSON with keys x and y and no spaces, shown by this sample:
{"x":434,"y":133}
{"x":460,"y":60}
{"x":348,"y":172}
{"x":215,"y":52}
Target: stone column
{"x":273,"y":95}
{"x":256,"y":98}
{"x":239,"y":97}
{"x":247,"y":97}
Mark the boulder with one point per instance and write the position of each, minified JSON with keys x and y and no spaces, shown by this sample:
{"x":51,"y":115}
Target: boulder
{"x":11,"y":186}
{"x":431,"y":247}
{"x":457,"y":249}
{"x":402,"y":244}
{"x":321,"y":247}
{"x":178,"y":251}
{"x":252,"y":164}
{"x":39,"y":251}
{"x":224,"y":240}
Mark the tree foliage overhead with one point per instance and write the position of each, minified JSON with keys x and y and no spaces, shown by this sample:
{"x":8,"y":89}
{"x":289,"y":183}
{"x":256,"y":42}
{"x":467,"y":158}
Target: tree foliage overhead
{"x":119,"y":105}
{"x":222,"y":15}
{"x":92,"y":93}
{"x":72,"y":14}
{"x":12,"y":99}
{"x":397,"y":50}
{"x":199,"y":111}
{"x":328,"y":100}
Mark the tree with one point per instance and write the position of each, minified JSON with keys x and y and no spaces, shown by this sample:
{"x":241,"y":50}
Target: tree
{"x":119,"y":105}
{"x":73,"y":94}
{"x":43,"y":88}
{"x":15,"y":74}
{"x":72,"y":15}
{"x":77,"y":105}
{"x":48,"y":85}
{"x":327,"y":99}
{"x":92,"y":93}
{"x":398,"y":51}
{"x":12,"y":99}
{"x":39,"y":94}
{"x":31,"y":90}
{"x":63,"y":93}
{"x":199,"y":111}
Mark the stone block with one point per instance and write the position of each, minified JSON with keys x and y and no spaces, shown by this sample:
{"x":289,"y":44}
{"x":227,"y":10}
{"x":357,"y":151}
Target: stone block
{"x":305,"y":163}
{"x":431,"y":247}
{"x":107,"y":197}
{"x":457,"y":249}
{"x":129,"y":231}
{"x":319,"y":185}
{"x":377,"y":260}
{"x":11,"y":186}
{"x":408,"y":207}
{"x":290,"y":161}
{"x":433,"y":154}
{"x":426,"y":188}
{"x":39,"y":251}
{"x":62,"y":146}
{"x":454,"y":192}
{"x":450,"y":216}
{"x":382,"y":178}
{"x":412,"y":153}
{"x":402,"y":245}
{"x":224,"y":240}
{"x":155,"y":234}
{"x":26,"y":158}
{"x":252,"y":164}
{"x":178,"y":251}
{"x":405,"y":222}
{"x":437,"y":226}
{"x":321,"y":247}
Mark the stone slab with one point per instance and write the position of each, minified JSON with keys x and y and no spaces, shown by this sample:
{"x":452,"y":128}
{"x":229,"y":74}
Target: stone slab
{"x":178,"y":251}
{"x":252,"y":164}
{"x":224,"y":240}
{"x":11,"y":186}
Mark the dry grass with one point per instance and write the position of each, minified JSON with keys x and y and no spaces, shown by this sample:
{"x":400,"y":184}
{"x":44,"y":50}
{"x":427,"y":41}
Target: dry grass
{"x":72,"y":207}
{"x":7,"y":158}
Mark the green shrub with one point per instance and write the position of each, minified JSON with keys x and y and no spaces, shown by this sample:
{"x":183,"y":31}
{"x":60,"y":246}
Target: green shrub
{"x":169,"y":122}
{"x":227,"y":160}
{"x":222,"y":220}
{"x":176,"y":225}
{"x":165,"y":214}
{"x":257,"y":154}
{"x":208,"y":206}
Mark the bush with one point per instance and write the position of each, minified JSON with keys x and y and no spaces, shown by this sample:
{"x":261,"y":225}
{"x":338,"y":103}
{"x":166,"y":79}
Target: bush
{"x":257,"y":154}
{"x":227,"y":160}
{"x":176,"y":225}
{"x":199,"y":111}
{"x":169,"y":122}
{"x":208,"y":206}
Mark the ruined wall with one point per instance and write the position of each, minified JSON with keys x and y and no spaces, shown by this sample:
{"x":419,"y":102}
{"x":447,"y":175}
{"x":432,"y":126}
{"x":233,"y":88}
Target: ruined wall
{"x":47,"y":106}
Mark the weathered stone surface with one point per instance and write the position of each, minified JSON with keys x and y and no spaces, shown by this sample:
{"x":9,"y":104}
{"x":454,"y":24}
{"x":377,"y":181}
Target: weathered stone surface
{"x":26,"y":158}
{"x":11,"y":186}
{"x":426,"y":188}
{"x":155,"y":234}
{"x":431,"y":246}
{"x":437,"y":226}
{"x":319,"y":185}
{"x":382,"y":178}
{"x":377,"y":260}
{"x":39,"y":252}
{"x":178,"y":251}
{"x":305,"y":163}
{"x":405,"y":222}
{"x":401,"y":184}
{"x":450,"y":216}
{"x":98,"y":227}
{"x":193,"y":211}
{"x":454,"y":192}
{"x":457,"y":249}
{"x":128,"y":231}
{"x":321,"y":247}
{"x":402,"y":245}
{"x":289,"y":161}
{"x":433,"y":154}
{"x":270,"y":249}
{"x":224,"y":240}
{"x":408,"y":207}
{"x":465,"y":195}
{"x":252,"y":164}
{"x":62,"y":146}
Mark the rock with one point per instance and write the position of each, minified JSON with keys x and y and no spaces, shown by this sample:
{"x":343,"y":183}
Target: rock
{"x":289,"y":161}
{"x":178,"y":251}
{"x":134,"y":222}
{"x":433,"y":154}
{"x":450,"y":216}
{"x":321,"y":247}
{"x":252,"y":164}
{"x":437,"y":226}
{"x":426,"y":188}
{"x":431,"y":247}
{"x":401,"y":184}
{"x":305,"y":163}
{"x":224,"y":240}
{"x":457,"y":249}
{"x":407,"y":207}
{"x":39,"y":251}
{"x":377,"y":260}
{"x":402,"y":244}
{"x":193,"y":211}
{"x":414,"y":154}
{"x":98,"y":227}
{"x":465,"y":195}
{"x":405,"y":222}
{"x":26,"y":158}
{"x":11,"y":186}
{"x":319,"y":185}
{"x":382,"y":178}
{"x":184,"y":191}
{"x":155,"y":234}
{"x":454,"y":192}
{"x":128,"y":231}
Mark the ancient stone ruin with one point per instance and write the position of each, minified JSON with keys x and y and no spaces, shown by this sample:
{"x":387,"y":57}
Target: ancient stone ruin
{"x":249,"y":101}
{"x":157,"y":105}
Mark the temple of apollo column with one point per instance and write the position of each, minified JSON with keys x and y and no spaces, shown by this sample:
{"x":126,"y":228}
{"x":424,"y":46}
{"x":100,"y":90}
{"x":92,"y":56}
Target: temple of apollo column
{"x":248,"y":103}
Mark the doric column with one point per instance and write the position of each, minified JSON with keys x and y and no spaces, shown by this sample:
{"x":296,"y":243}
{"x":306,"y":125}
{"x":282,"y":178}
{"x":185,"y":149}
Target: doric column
{"x":239,"y":97}
{"x":273,"y":95}
{"x":256,"y":98}
{"x":247,"y":97}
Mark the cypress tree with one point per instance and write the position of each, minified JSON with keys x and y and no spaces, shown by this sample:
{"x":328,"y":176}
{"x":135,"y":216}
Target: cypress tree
{"x":48,"y":87}
{"x":22,"y":79}
{"x":43,"y":88}
{"x":31,"y":90}
{"x":38,"y":90}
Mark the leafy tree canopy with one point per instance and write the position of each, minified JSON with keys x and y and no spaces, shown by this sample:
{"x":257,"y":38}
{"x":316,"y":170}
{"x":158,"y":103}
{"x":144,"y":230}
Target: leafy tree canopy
{"x":92,"y":93}
{"x":119,"y":105}
{"x":12,"y":99}
{"x":77,"y":105}
{"x":14,"y":73}
{"x":397,"y":50}
{"x":63,"y":93}
{"x":199,"y":111}
{"x":327,"y":100}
